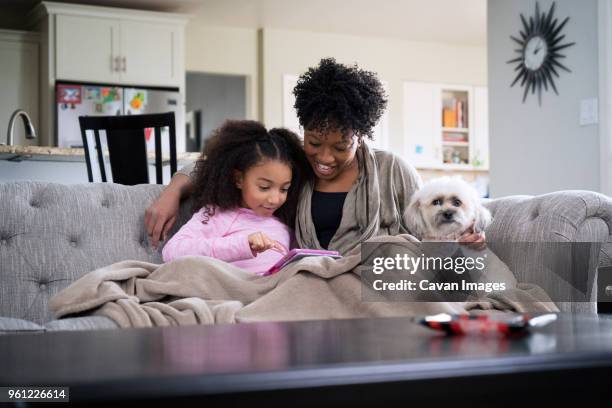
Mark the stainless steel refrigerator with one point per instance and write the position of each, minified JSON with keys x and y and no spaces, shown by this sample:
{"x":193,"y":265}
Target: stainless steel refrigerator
{"x":74,"y":100}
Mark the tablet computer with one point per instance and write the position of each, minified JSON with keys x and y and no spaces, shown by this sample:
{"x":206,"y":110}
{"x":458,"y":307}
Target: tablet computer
{"x":299,"y":253}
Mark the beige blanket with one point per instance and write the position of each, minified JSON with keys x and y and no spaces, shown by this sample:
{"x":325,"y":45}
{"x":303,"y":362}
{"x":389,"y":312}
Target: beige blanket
{"x":202,"y":290}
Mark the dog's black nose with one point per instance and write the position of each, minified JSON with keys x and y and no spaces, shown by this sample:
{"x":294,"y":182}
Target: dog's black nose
{"x":448,"y":214}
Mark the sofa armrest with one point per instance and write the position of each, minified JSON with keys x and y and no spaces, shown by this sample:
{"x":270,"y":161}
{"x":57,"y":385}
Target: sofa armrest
{"x":573,"y":216}
{"x":565,"y":216}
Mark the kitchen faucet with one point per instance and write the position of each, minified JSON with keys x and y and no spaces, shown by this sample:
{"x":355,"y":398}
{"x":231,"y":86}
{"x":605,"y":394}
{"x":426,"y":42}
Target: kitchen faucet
{"x":27,"y":123}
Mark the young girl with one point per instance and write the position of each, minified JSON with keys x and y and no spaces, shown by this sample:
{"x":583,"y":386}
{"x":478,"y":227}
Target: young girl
{"x":246,"y":187}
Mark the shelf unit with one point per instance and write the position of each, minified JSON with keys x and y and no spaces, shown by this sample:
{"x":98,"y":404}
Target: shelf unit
{"x":455,"y":129}
{"x":458,"y":144}
{"x":455,"y":125}
{"x":446,"y":126}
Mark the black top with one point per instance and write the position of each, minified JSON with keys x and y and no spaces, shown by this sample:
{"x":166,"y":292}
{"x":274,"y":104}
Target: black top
{"x":326,"y":214}
{"x":290,"y":360}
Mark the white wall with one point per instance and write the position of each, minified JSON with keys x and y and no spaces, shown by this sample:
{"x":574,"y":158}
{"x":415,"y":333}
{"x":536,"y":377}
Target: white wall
{"x":224,"y":50}
{"x":395,"y":61}
{"x":539,"y":149}
{"x":604,"y":12}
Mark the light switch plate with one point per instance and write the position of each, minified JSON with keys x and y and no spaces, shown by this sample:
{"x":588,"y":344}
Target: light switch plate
{"x":588,"y":112}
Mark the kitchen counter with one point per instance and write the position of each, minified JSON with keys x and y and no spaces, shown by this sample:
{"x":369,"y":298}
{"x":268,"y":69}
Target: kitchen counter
{"x":49,"y":153}
{"x":62,"y":165}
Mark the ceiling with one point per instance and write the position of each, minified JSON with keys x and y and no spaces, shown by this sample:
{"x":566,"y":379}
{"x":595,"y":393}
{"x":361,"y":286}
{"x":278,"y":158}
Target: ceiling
{"x":448,"y":21}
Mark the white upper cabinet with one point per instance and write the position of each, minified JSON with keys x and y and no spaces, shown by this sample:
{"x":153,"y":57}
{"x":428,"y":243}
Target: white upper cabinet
{"x":150,"y":53}
{"x":423,"y":148}
{"x":87,"y":48}
{"x":115,"y":46}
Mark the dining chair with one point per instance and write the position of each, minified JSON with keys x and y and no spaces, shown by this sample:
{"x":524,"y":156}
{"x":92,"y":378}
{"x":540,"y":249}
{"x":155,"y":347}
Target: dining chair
{"x":126,"y":141}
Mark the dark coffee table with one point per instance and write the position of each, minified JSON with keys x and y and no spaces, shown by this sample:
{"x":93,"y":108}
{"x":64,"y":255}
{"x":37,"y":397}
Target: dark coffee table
{"x":369,"y":361}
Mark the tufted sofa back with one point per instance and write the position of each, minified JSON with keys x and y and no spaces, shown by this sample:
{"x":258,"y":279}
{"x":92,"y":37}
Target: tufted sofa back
{"x":51,"y":234}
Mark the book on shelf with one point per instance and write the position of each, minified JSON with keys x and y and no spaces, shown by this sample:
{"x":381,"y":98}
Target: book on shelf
{"x":454,"y":112}
{"x":462,"y":114}
{"x":449,"y":118}
{"x":454,"y":137}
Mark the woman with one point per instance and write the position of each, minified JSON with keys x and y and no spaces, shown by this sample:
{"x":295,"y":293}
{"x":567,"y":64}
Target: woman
{"x":357,"y":193}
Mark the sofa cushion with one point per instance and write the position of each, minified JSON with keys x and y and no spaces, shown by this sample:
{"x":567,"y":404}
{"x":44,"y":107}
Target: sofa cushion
{"x":11,"y":325}
{"x":81,"y":323}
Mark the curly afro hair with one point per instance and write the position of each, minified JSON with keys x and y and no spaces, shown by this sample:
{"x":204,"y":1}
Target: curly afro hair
{"x":333,"y":96}
{"x":239,"y":145}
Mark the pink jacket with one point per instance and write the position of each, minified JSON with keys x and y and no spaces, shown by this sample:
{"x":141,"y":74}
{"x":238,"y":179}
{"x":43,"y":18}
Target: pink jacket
{"x":225,"y":237}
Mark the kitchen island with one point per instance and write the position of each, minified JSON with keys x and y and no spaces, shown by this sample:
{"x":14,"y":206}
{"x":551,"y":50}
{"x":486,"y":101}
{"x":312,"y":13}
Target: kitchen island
{"x":61,"y":165}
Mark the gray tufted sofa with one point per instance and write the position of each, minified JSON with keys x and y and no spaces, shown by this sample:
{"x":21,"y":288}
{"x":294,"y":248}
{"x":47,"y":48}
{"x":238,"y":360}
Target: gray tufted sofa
{"x":51,"y":234}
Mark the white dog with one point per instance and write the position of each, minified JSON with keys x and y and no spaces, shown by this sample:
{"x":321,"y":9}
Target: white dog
{"x":444,"y":209}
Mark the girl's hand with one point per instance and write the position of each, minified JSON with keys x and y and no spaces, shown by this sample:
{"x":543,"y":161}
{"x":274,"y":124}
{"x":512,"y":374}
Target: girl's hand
{"x":260,"y":242}
{"x":473,"y":240}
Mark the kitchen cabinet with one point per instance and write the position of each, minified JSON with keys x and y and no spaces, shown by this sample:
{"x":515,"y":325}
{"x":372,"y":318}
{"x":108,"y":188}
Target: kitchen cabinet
{"x":151,"y":53}
{"x":88,"y":55}
{"x":446,"y":126}
{"x":423,"y":147}
{"x":118,"y":51}
{"x":19,"y":68}
{"x":110,"y":46}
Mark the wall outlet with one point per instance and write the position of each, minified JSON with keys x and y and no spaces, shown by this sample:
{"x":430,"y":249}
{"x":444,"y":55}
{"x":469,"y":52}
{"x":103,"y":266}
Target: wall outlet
{"x":588,"y":112}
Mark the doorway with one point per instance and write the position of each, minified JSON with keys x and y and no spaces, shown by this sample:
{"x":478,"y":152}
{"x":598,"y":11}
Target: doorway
{"x":211,"y":99}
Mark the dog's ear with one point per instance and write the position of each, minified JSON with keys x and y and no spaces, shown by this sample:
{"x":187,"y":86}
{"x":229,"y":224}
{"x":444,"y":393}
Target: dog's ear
{"x":482,"y":220}
{"x":414,"y":220}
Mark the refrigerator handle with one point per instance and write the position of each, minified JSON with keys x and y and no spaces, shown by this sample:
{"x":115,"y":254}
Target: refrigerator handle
{"x":124,"y":60}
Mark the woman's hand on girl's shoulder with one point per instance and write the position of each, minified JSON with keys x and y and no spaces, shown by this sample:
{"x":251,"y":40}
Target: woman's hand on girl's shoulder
{"x":161,"y":216}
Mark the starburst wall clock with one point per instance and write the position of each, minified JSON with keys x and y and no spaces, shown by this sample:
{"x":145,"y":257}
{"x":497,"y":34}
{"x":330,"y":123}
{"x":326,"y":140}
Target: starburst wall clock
{"x":539,"y":46}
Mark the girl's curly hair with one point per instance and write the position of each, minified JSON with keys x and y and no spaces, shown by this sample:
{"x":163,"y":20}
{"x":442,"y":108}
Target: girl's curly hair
{"x":239,"y":145}
{"x":333,"y":96}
